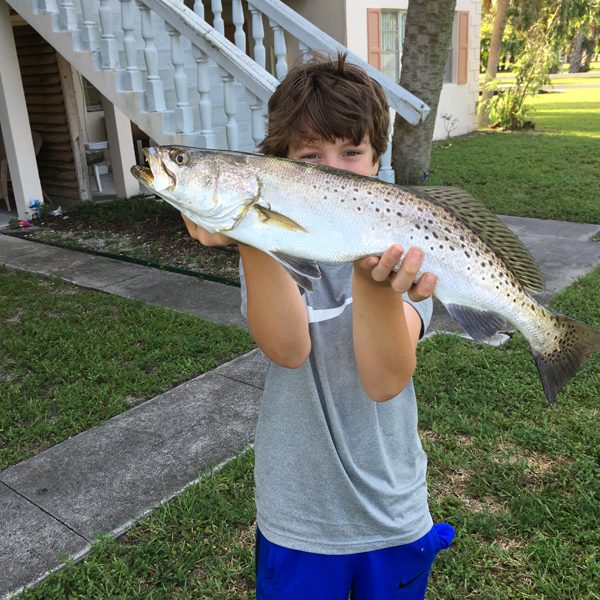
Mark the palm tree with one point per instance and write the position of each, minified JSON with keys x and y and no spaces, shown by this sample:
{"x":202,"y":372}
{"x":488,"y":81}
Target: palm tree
{"x":427,"y":38}
{"x":494,"y":53}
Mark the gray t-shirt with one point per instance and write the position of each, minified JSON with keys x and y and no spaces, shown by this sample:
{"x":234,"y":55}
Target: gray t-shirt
{"x":336,"y":472}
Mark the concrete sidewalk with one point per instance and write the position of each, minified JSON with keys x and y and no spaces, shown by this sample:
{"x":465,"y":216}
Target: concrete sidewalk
{"x":106,"y":478}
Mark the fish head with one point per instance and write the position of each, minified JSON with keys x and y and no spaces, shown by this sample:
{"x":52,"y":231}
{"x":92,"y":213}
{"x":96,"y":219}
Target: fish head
{"x":213,"y":189}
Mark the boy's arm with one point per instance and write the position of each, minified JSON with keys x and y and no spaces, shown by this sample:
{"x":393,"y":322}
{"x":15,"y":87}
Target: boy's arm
{"x":385,"y":328}
{"x":276,"y":313}
{"x":277,"y":316}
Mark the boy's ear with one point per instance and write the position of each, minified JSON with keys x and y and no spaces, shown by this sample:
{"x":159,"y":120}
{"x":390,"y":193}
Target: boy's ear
{"x":375,"y":168}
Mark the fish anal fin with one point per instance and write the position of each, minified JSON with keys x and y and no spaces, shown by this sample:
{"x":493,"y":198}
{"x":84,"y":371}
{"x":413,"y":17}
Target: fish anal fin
{"x":266,"y":215}
{"x":302,"y":271}
{"x":479,"y":324}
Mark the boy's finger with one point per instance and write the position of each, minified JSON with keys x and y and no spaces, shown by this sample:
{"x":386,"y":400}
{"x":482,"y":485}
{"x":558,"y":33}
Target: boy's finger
{"x":424,"y":288}
{"x":403,"y":280}
{"x":387,"y":262}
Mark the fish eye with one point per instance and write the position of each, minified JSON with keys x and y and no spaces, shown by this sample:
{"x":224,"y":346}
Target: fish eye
{"x":179,"y":157}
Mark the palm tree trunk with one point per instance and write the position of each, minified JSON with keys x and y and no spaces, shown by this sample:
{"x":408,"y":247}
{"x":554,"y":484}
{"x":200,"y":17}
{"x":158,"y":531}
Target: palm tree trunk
{"x":493,"y":56}
{"x":576,"y":52}
{"x":427,"y":39}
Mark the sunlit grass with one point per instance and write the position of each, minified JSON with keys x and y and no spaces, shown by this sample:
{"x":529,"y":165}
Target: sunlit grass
{"x":551,"y":172}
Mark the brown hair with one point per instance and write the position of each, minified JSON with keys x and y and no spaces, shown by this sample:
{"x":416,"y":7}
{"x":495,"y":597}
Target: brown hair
{"x":330,"y":99}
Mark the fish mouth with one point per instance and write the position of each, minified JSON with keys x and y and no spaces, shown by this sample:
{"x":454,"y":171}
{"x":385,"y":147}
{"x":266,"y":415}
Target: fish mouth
{"x":142,"y":174}
{"x":156,"y":175}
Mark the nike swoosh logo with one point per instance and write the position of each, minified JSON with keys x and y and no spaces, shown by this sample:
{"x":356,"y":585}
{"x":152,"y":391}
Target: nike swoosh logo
{"x":403,"y":584}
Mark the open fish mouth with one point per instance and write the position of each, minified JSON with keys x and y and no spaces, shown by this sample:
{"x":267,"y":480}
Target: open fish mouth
{"x":156,"y":175}
{"x":143,"y":174}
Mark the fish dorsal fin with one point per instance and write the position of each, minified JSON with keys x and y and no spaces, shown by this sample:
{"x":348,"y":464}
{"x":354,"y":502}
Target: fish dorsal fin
{"x":490,"y":229}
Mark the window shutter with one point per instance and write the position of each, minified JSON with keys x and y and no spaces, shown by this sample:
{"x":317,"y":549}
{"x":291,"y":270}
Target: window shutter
{"x":463,"y":47}
{"x":374,"y":37}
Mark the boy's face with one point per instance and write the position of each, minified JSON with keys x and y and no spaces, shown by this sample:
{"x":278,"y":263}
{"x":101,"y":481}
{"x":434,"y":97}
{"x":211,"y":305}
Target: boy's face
{"x":341,"y":154}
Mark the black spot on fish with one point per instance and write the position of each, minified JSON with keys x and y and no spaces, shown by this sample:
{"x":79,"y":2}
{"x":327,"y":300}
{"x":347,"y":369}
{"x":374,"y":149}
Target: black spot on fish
{"x":467,"y":255}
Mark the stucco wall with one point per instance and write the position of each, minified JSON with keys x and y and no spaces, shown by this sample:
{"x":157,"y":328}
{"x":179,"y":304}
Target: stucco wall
{"x":458,"y":101}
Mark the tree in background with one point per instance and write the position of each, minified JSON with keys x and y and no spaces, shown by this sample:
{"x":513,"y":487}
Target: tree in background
{"x":499,"y":24}
{"x":584,"y":34}
{"x":543,"y":28}
{"x":428,"y":33}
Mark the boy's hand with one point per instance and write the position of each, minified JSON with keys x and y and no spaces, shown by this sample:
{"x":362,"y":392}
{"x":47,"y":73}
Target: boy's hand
{"x":205,"y":237}
{"x":380,"y":271}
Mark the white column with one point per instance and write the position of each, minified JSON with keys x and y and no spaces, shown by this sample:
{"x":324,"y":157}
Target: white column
{"x":109,"y":48}
{"x":281,"y":66}
{"x":258,"y":33}
{"x":153,"y":86}
{"x":205,"y":103}
{"x":16,"y":131}
{"x":120,"y":147}
{"x":217,"y":9}
{"x":386,"y":173}
{"x":237,"y":12}
{"x":132,"y":77}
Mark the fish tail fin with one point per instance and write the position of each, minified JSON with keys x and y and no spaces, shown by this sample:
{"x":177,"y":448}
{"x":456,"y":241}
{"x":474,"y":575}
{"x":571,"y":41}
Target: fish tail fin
{"x":575,"y":342}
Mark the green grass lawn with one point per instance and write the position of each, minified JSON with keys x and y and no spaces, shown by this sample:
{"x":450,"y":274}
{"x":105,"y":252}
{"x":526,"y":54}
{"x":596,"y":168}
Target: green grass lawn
{"x":518,"y":478}
{"x":552,"y":172}
{"x":71,"y":358}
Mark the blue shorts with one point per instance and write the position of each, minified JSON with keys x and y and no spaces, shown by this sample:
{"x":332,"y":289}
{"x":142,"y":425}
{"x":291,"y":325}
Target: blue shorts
{"x":397,"y":572}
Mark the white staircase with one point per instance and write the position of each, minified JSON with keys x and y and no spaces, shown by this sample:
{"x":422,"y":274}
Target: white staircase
{"x":171,"y":69}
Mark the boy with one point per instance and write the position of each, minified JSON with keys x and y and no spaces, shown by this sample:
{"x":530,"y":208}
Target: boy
{"x":340,"y":473}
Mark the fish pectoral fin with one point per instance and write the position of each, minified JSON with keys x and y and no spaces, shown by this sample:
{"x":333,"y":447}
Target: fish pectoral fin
{"x":479,"y":324}
{"x":302,"y":271}
{"x":266,"y":215}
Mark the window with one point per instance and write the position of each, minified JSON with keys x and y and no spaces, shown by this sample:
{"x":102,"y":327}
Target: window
{"x":93,"y":99}
{"x":392,"y":37}
{"x":385,"y":36}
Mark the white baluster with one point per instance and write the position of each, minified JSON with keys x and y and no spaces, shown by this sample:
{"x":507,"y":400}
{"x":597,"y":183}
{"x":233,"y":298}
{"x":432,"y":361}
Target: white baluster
{"x":217,"y":9}
{"x":68,"y":16}
{"x":231,"y":126}
{"x":109,"y":49}
{"x":257,"y":107}
{"x":132,"y":77}
{"x":184,"y":113}
{"x":280,"y":50}
{"x":153,"y":86}
{"x":47,"y":7}
{"x":258,"y":33}
{"x":237,"y":16}
{"x":386,"y":173}
{"x":199,"y":8}
{"x":304,"y":50}
{"x":205,"y":103}
{"x":89,"y":27}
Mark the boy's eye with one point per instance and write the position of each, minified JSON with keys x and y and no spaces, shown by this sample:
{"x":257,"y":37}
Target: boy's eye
{"x":311,"y":156}
{"x":353,"y":153}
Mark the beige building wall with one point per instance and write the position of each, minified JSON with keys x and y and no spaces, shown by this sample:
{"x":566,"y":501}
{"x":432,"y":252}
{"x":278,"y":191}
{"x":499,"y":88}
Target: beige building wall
{"x":329,"y":16}
{"x":457,"y":101}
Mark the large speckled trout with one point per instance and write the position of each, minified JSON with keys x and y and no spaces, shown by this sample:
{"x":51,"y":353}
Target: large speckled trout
{"x":303,"y":214}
